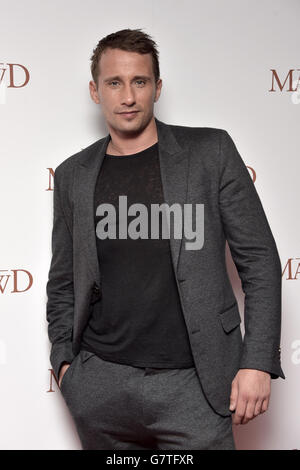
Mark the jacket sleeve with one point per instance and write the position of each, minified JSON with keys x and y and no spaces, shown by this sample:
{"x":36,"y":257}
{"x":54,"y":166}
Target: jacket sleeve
{"x":256,"y":257}
{"x":60,"y":303}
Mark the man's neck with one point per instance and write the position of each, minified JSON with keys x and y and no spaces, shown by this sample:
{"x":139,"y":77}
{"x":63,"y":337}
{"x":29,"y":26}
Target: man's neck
{"x":126,"y":145}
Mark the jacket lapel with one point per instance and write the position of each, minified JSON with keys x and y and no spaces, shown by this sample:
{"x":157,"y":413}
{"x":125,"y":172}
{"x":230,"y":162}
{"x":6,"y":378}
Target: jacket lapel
{"x":174,"y":175}
{"x":174,"y":165}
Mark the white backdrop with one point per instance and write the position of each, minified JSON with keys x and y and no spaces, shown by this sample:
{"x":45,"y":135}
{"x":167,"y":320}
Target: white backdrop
{"x":216,"y":59}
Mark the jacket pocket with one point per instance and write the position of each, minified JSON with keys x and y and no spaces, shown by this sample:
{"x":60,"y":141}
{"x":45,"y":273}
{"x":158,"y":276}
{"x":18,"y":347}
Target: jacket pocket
{"x":230,"y":317}
{"x":85,"y":355}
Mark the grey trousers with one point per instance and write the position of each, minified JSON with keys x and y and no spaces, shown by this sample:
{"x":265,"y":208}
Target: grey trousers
{"x":123,"y":407}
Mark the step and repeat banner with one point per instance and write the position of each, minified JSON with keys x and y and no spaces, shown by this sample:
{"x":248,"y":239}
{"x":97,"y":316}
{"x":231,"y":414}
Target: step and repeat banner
{"x":233,"y":65}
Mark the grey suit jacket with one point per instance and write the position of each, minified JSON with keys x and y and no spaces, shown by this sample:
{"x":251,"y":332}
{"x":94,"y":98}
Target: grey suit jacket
{"x":198,"y":165}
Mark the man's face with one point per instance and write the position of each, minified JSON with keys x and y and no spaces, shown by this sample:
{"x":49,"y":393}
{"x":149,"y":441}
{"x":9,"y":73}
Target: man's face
{"x":126,"y":90}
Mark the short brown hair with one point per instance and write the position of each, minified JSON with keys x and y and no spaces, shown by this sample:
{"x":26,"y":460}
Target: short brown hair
{"x":132,"y":40}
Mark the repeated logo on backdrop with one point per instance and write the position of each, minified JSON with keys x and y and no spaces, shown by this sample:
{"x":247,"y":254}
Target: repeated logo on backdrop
{"x":289,"y":83}
{"x":15,"y":281}
{"x":50,"y":179}
{"x":292,"y":269}
{"x":12,"y":76}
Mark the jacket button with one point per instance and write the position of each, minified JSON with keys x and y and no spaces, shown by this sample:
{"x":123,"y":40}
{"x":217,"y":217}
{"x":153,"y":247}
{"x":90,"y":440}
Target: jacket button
{"x":96,"y":289}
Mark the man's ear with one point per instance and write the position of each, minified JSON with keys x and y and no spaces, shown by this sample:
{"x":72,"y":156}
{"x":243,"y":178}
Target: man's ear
{"x":94,"y":92}
{"x":158,"y":89}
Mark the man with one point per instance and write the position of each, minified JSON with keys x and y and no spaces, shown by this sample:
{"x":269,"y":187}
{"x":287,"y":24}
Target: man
{"x":145,"y":331}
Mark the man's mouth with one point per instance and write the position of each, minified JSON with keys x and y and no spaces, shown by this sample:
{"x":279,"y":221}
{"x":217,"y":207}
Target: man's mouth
{"x":128,"y":112}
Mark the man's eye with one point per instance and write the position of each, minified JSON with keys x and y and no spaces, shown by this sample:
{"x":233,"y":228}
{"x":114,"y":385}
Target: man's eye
{"x":140,"y":82}
{"x":113,"y":83}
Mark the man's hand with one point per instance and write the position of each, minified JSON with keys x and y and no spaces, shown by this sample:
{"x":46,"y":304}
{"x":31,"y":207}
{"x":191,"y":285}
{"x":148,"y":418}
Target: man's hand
{"x":62,"y":371}
{"x":250,"y":394}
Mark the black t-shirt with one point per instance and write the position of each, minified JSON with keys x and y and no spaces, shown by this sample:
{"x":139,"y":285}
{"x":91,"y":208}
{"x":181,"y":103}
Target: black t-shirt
{"x":139,"y":319}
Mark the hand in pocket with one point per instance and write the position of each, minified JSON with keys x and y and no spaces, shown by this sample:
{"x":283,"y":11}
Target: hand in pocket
{"x":63,"y":369}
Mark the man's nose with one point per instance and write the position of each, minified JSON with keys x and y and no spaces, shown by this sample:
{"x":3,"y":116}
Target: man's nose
{"x":128,"y":96}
